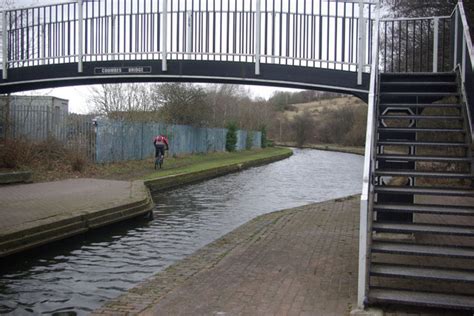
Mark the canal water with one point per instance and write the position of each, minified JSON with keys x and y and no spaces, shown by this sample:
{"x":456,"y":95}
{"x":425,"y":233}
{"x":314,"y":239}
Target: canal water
{"x":80,"y":274}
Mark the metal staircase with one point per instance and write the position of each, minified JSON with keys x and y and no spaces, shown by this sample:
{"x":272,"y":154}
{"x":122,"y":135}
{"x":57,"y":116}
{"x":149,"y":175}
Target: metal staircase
{"x":416,"y":240}
{"x":422,"y":239}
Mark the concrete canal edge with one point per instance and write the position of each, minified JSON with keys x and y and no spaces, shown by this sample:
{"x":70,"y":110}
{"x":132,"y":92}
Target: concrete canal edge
{"x":15,"y":177}
{"x":57,"y":217}
{"x":329,"y":147}
{"x":174,"y":181}
{"x":57,"y":225}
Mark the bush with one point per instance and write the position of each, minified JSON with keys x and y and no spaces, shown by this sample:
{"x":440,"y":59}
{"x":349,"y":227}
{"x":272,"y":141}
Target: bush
{"x":231,"y":137}
{"x":77,"y":161}
{"x":303,"y":125}
{"x":264,"y":140}
{"x":15,"y":152}
{"x":249,"y":140}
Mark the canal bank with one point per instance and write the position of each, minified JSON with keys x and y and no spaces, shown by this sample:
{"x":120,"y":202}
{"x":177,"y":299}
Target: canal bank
{"x":299,"y":261}
{"x":356,"y":150}
{"x":33,"y":215}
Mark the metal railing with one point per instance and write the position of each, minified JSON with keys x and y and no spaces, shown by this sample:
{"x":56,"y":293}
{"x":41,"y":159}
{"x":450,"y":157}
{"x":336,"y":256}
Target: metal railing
{"x":463,"y":52}
{"x":367,"y":196}
{"x":416,"y":44}
{"x":310,"y":33}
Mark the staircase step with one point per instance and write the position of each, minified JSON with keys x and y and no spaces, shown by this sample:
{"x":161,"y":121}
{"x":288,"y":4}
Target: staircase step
{"x":429,"y":299}
{"x":425,"y":209}
{"x":430,"y":273}
{"x":420,"y":94}
{"x":424,"y":190}
{"x":420,"y":130}
{"x":423,"y":228}
{"x":424,"y":158}
{"x":427,"y":174}
{"x":421,"y":143}
{"x":420,"y":105}
{"x":411,"y":86}
{"x":416,"y":83}
{"x":418,"y":76}
{"x":421,"y":117}
{"x":422,"y":250}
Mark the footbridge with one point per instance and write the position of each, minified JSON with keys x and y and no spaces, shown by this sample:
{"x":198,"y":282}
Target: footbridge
{"x":300,"y":44}
{"x":417,"y":215}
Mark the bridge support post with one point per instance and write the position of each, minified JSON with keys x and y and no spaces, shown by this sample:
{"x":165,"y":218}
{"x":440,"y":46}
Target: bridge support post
{"x":258,"y":35}
{"x":164,"y":64}
{"x":362,"y":42}
{"x":4,"y":46}
{"x":80,"y":66}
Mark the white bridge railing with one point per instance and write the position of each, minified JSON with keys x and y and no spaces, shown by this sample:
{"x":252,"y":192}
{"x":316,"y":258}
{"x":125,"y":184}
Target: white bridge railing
{"x":332,"y":34}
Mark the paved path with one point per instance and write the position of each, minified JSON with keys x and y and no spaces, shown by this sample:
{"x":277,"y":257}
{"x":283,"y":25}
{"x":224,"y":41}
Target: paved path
{"x":301,"y":261}
{"x":32,"y":208}
{"x":293,"y":262}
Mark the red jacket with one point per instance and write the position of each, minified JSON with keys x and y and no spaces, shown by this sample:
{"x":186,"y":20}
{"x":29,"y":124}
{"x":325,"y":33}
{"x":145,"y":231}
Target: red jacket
{"x":161,"y":140}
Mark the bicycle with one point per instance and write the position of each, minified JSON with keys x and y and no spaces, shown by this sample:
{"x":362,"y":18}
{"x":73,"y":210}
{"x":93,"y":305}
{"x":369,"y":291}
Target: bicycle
{"x":159,"y":161}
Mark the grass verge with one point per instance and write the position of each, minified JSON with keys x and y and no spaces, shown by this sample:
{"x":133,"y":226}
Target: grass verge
{"x":197,"y":163}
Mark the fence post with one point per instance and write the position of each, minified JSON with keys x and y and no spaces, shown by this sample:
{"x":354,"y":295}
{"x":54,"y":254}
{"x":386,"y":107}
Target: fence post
{"x":80,"y":66}
{"x":257,"y":38}
{"x":435,"y":44}
{"x":4,"y":46}
{"x":164,"y":64}
{"x":362,"y":42}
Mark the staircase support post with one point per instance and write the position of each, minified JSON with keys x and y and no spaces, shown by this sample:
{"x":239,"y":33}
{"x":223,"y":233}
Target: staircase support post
{"x":366,"y":200}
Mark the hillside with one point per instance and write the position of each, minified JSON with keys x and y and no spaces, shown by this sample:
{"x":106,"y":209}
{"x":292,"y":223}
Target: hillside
{"x":316,"y":108}
{"x":339,"y":120}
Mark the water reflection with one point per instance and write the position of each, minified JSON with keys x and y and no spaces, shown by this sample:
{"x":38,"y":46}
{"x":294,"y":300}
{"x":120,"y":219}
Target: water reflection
{"x":78,"y":275}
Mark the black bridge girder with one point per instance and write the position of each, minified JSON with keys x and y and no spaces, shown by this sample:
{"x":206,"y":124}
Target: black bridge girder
{"x":61,"y":75}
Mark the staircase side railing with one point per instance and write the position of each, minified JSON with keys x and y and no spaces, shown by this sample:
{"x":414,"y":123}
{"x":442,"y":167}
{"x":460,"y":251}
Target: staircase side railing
{"x":421,"y":44}
{"x":464,"y":61}
{"x":367,"y":197}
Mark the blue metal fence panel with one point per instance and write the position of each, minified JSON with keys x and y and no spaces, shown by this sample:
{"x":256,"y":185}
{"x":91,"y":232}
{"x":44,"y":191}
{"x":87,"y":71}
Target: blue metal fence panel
{"x":120,"y":140}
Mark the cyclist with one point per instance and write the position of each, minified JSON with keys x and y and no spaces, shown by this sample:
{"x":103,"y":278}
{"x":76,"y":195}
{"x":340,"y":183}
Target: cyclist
{"x":161,"y":144}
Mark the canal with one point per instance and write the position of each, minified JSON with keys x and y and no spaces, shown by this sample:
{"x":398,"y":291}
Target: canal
{"x":80,"y":274}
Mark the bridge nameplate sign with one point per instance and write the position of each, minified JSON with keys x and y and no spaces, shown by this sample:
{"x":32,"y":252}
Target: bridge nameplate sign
{"x":122,"y":70}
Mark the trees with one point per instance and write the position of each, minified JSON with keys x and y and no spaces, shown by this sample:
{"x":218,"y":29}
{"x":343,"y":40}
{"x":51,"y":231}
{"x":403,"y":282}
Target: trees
{"x":417,"y":8}
{"x":407,"y":45}
{"x":183,"y":103}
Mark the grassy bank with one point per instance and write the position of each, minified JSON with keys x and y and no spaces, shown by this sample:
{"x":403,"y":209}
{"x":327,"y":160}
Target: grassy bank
{"x":197,"y":163}
{"x":44,"y":170}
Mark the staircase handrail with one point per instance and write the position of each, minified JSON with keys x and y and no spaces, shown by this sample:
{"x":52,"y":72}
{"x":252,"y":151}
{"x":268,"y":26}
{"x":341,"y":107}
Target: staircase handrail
{"x":467,"y":35}
{"x":469,"y":47}
{"x":366,"y":199}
